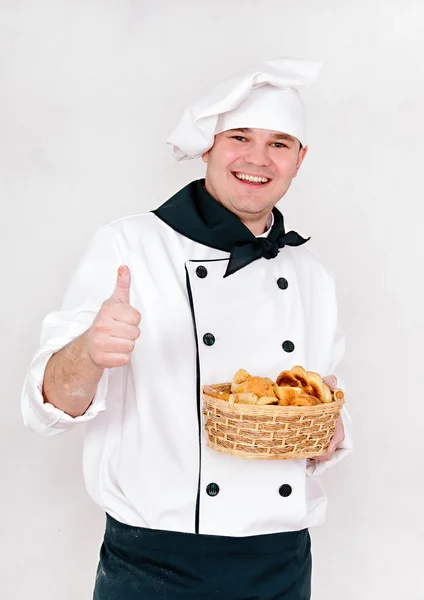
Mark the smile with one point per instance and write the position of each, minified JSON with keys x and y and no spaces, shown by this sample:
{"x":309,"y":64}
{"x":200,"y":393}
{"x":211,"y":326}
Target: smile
{"x":251,"y":179}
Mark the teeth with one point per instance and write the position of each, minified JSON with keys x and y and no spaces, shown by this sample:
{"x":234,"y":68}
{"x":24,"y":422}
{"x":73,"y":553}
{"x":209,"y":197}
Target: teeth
{"x":251,"y":178}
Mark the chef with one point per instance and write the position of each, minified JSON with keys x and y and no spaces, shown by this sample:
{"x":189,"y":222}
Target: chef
{"x":164,"y":302}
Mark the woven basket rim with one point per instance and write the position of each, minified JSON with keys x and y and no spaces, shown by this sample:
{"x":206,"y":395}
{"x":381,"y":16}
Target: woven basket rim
{"x":268,"y":432}
{"x":268,"y":408}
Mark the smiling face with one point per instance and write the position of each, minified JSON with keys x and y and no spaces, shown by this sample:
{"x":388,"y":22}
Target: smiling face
{"x":250,"y":170}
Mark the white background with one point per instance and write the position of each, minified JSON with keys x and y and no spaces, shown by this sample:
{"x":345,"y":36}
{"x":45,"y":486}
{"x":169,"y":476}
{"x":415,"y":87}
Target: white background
{"x":89,"y":91}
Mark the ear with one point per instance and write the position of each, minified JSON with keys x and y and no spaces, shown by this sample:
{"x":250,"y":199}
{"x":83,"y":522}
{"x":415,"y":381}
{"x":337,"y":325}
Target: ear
{"x":302,"y":154}
{"x":205,"y":155}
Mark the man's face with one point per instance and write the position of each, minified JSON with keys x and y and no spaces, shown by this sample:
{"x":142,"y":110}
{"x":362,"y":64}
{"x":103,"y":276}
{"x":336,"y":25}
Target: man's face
{"x":237,"y":153}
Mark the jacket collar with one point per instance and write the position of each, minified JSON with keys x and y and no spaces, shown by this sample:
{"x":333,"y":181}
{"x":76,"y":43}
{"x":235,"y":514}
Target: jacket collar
{"x":194,"y":213}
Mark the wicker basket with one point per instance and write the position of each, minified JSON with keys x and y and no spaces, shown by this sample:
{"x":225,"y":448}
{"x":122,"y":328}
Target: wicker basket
{"x":268,"y":432}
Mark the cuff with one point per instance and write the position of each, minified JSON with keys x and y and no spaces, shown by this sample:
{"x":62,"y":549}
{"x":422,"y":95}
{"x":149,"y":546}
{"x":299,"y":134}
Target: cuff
{"x":44,"y":418}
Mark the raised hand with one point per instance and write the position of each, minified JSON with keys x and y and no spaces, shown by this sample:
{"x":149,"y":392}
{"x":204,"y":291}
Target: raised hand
{"x":114,"y":331}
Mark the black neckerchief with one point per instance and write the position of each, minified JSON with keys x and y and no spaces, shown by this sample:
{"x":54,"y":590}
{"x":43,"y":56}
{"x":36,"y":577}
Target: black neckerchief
{"x":194,"y":213}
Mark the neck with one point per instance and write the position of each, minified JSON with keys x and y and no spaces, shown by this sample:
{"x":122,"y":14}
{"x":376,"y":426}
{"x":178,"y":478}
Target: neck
{"x":257,"y":227}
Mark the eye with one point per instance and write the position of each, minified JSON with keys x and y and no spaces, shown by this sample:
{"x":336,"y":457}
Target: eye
{"x":279,"y":145}
{"x":239,"y":138}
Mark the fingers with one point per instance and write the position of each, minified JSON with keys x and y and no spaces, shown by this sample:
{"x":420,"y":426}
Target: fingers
{"x":328,"y":454}
{"x":324,"y":457}
{"x":110,"y":361}
{"x":118,"y":321}
{"x":124,"y":313}
{"x":335,"y":442}
{"x":104,"y":344}
{"x":331,"y":381}
{"x":121,"y":293}
{"x":126,"y":331}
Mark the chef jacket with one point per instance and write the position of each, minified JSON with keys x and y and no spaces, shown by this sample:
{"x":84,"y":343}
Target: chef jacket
{"x":146,"y":461}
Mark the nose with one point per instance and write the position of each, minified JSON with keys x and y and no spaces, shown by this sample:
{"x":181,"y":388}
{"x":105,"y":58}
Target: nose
{"x":257,"y":154}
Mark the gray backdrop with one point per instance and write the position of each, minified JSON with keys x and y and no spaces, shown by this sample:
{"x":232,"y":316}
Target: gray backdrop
{"x":89,"y":91}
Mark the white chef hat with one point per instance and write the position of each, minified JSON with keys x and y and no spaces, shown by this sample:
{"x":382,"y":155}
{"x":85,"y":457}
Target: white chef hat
{"x":264,"y":96}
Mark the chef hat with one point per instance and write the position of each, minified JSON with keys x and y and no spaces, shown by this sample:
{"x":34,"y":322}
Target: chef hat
{"x":264,"y":96}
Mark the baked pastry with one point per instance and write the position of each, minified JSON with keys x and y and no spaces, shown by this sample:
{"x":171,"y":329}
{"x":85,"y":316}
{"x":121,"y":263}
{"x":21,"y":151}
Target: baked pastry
{"x":306,"y":400}
{"x":261,"y":386}
{"x":302,"y":376}
{"x":210,"y":391}
{"x":240,"y":376}
{"x":287,"y":378}
{"x":286,"y":394}
{"x":243,"y":398}
{"x":302,"y":400}
{"x":297,"y":377}
{"x":316,"y":383}
{"x":328,"y":395}
{"x":266,"y":400}
{"x":294,"y":387}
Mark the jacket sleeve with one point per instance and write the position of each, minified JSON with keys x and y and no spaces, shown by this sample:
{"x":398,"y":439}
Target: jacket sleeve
{"x":91,"y":284}
{"x":314,"y":467}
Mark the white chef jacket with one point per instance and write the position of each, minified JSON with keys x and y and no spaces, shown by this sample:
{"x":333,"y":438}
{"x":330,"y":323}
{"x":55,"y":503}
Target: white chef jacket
{"x":145,"y":459}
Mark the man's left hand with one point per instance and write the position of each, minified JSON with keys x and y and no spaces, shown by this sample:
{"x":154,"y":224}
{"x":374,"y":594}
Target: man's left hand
{"x":339,"y":434}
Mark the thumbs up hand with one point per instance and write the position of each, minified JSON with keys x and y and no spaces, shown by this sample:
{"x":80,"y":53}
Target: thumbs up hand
{"x":114,"y":331}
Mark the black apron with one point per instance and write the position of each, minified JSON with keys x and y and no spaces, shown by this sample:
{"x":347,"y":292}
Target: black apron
{"x":137,"y":563}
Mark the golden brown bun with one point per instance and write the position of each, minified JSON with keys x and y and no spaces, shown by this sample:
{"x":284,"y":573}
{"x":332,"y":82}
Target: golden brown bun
{"x":301,"y":375}
{"x":286,"y":393}
{"x":243,"y":398}
{"x":316,"y":383}
{"x":328,"y":396}
{"x":266,"y":400}
{"x":314,"y":400}
{"x":241,"y":376}
{"x":287,"y":378}
{"x":295,"y":387}
{"x":260,"y":386}
{"x":301,"y":400}
{"x":305,"y":400}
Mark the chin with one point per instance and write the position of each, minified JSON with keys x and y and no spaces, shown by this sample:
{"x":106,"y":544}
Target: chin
{"x":252,"y":207}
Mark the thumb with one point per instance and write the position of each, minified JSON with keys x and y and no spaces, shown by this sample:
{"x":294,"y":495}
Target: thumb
{"x":121,"y":293}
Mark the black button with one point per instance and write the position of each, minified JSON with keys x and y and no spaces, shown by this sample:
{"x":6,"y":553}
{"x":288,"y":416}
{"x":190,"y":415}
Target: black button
{"x":282,"y":283}
{"x":209,"y":339}
{"x":285,"y":490}
{"x":212,"y":489}
{"x":288,"y":346}
{"x":201,"y":272}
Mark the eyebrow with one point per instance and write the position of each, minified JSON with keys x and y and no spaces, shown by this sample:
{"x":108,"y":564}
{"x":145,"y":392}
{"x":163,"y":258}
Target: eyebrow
{"x":277,"y":136}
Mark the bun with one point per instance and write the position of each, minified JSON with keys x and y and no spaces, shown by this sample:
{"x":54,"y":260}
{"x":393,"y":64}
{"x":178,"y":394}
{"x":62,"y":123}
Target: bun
{"x":295,"y":387}
{"x":261,"y":386}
